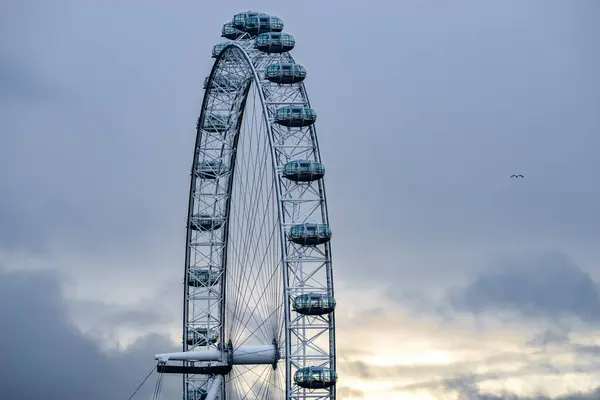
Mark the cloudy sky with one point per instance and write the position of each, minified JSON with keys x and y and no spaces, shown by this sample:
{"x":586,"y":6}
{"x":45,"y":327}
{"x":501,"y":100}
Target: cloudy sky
{"x":453,"y":281}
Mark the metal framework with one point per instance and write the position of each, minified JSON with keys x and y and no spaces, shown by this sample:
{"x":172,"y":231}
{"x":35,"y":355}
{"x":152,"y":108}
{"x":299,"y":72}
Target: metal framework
{"x":248,"y":256}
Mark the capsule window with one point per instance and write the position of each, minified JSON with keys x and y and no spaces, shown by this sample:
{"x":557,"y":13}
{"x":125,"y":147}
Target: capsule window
{"x":329,"y":375}
{"x":273,"y":37}
{"x":315,"y":374}
{"x":239,"y":19}
{"x":197,"y":394}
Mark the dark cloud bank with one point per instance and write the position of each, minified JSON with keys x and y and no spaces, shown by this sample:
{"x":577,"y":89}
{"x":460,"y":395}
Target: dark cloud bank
{"x":466,"y":388}
{"x":548,"y":285}
{"x":544,"y":285}
{"x":45,"y":356}
{"x":467,"y":385}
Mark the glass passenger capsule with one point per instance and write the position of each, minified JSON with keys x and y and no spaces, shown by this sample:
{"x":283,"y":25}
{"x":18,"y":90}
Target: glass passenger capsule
{"x":262,"y":23}
{"x":223,"y":84}
{"x":314,"y":304}
{"x":229,"y":32}
{"x":200,"y":336}
{"x":295,"y":116}
{"x":303,"y":171}
{"x":238,"y":19}
{"x":197,"y":394}
{"x":215,"y":123}
{"x":205,"y":223}
{"x":315,"y":377}
{"x":218,"y":48}
{"x":310,"y":234}
{"x":204,"y":277}
{"x":210,"y":169}
{"x":274,"y":42}
{"x":285,"y":73}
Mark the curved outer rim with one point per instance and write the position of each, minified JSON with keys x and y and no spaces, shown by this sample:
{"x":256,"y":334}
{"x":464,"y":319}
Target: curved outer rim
{"x":191,"y":202}
{"x":325,"y":214}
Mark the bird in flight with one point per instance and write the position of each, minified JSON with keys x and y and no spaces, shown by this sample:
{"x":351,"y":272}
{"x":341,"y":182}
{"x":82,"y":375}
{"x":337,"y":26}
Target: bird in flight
{"x":517,"y":176}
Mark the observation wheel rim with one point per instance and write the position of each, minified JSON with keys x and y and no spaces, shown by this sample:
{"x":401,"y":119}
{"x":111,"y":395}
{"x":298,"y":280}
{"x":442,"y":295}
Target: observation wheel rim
{"x":255,"y":79}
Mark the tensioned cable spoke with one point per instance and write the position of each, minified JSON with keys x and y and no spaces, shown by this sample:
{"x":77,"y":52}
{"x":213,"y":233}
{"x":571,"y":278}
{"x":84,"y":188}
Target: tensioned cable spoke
{"x":242,"y":371}
{"x":263,"y":323}
{"x":246,"y":273}
{"x":264,"y":292}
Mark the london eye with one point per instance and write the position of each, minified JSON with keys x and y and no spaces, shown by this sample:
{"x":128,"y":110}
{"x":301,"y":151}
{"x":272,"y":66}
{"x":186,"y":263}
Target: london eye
{"x":258,"y":297}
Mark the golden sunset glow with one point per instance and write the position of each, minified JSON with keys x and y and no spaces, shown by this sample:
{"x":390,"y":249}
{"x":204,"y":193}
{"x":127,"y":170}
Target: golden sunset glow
{"x":390,"y":353}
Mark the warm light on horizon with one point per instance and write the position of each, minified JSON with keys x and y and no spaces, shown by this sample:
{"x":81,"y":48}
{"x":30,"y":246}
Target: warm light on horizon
{"x":391,"y":354}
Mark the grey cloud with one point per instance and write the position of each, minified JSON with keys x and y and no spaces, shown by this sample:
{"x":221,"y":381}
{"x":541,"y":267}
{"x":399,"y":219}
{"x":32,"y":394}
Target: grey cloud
{"x":582,"y":396}
{"x":590,"y":350}
{"x":68,"y":364}
{"x":457,"y":89}
{"x":414,"y":301}
{"x":344,"y":392}
{"x":424,"y":372}
{"x":467,"y":385}
{"x":548,"y":285}
{"x":460,"y":376}
{"x":553,"y":335}
{"x":357,"y":368}
{"x":108,"y":320}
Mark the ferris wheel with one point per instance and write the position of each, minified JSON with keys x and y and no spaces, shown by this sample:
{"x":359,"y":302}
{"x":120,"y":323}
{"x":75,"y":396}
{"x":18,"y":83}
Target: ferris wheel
{"x":258,"y":307}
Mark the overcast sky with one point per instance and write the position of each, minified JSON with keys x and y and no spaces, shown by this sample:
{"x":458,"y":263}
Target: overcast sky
{"x":474,"y":284}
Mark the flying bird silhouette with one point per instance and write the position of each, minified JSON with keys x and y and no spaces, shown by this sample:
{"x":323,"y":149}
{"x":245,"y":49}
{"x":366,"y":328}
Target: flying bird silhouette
{"x":517,"y":176}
